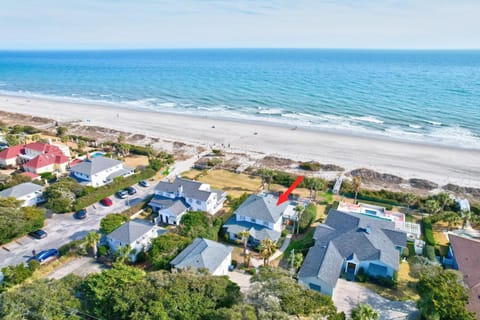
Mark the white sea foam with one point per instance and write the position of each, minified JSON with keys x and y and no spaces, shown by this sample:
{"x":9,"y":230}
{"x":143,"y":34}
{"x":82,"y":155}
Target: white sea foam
{"x":370,"y":119}
{"x":271,"y":111}
{"x":415,"y":126}
{"x":433,"y":123}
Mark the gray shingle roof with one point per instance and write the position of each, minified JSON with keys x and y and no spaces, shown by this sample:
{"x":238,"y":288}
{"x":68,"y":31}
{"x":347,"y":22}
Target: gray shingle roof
{"x":262,"y":207}
{"x":21,"y":190}
{"x":131,"y":231}
{"x":256,"y":231}
{"x":346,"y":232}
{"x":190,"y":188}
{"x":175,"y":206}
{"x":202,"y":253}
{"x":324,"y":262}
{"x":94,"y":165}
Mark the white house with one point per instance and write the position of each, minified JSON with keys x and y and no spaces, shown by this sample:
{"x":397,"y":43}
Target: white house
{"x":174,"y":199}
{"x":30,"y":193}
{"x":9,"y":156}
{"x":348,"y":243}
{"x":204,"y":253}
{"x":136,"y":233}
{"x":261,"y":216}
{"x":99,"y":171}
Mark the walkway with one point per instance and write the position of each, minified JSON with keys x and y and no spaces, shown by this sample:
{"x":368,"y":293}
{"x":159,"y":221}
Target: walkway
{"x":258,"y":262}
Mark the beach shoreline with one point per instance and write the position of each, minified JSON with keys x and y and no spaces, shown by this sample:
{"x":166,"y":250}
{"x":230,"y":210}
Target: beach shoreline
{"x":437,"y":163}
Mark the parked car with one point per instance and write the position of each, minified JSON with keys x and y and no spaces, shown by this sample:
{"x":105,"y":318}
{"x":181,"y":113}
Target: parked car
{"x":38,"y":234}
{"x":131,"y":190}
{"x":122,"y":194}
{"x":46,"y":255}
{"x":144,"y":183}
{"x":107,"y":202}
{"x":80,"y":214}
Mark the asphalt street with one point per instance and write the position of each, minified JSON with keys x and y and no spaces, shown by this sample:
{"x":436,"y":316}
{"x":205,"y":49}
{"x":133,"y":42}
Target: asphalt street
{"x":63,"y":228}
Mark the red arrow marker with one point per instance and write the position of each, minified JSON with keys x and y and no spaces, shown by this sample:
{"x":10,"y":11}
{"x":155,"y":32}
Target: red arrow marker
{"x":284,"y":196}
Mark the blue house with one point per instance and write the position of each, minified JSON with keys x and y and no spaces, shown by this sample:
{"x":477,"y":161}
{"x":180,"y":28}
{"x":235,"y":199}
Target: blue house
{"x":348,"y":242}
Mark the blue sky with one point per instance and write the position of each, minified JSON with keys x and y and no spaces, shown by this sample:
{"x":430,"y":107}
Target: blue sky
{"x":108,"y":24}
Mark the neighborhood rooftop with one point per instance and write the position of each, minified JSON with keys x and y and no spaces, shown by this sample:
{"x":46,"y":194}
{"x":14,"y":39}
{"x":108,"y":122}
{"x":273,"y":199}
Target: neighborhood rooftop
{"x":131,"y":231}
{"x":202,"y":253}
{"x":92,"y":166}
{"x":262,"y":207}
{"x":21,"y":190}
{"x":189,"y":188}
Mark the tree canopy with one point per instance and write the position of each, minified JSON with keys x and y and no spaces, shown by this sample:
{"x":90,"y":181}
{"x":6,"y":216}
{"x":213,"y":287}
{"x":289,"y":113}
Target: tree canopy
{"x":197,"y":224}
{"x":166,"y":247}
{"x":16,"y":221}
{"x":111,"y":222}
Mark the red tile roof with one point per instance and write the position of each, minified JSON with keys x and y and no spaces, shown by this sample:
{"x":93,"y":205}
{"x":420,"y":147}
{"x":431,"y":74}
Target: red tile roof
{"x":43,"y":147}
{"x":44,"y":160}
{"x":11,"y":152}
{"x":467,"y":256}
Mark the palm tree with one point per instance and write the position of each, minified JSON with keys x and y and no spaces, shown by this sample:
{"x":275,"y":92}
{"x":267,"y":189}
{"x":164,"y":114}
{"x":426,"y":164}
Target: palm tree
{"x":91,"y":240}
{"x":267,"y":249}
{"x":364,"y":312}
{"x":267,"y":176}
{"x":466,"y":216}
{"x":244,"y":234}
{"x":247,"y":260}
{"x":122,"y":253}
{"x":410,"y":199}
{"x":299,"y":211}
{"x":356,"y":183}
{"x":432,"y":206}
{"x":317,"y":184}
{"x":443,"y":199}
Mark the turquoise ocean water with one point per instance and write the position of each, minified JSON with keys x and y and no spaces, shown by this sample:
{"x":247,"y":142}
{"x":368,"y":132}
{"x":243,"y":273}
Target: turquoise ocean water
{"x":427,"y":96}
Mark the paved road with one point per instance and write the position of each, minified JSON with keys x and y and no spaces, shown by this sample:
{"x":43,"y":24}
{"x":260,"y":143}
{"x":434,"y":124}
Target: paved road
{"x":348,"y":294}
{"x":63,"y":228}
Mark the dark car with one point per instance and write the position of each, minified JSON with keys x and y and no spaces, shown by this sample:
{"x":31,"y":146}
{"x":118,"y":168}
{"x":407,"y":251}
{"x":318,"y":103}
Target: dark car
{"x":131,"y":190}
{"x":122,"y":194}
{"x":144,"y":183}
{"x":107,"y":202}
{"x":80,"y":214}
{"x":46,"y":255}
{"x":38,"y":234}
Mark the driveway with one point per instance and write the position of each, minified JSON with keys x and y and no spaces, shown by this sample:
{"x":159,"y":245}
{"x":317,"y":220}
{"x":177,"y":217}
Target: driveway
{"x":240,"y":278}
{"x":63,"y":228}
{"x":80,"y":266}
{"x":348,"y":294}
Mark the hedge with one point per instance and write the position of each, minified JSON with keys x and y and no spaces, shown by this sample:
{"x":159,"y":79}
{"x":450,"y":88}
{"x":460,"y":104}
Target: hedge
{"x":428,"y":231}
{"x":109,"y":189}
{"x":429,"y":252}
{"x":372,"y":198}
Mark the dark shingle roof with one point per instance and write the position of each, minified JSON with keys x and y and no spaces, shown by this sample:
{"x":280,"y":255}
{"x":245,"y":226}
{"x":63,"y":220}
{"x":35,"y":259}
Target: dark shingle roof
{"x":202,"y":253}
{"x":324,"y":262}
{"x":347,"y":233}
{"x":256,"y":231}
{"x":262,"y":207}
{"x":95,"y":165}
{"x":131,"y":231}
{"x":175,"y":206}
{"x":190,"y":188}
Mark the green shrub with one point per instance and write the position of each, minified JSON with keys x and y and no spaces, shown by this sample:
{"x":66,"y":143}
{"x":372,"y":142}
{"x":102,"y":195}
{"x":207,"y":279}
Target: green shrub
{"x":76,"y":247}
{"x":428,"y":231}
{"x":103,"y":250}
{"x":234,"y":263}
{"x":284,"y":233}
{"x":111,"y":222}
{"x":13,"y":275}
{"x":406,"y":252}
{"x":307,"y":217}
{"x":252,"y":271}
{"x":429,"y":252}
{"x":310,"y":166}
{"x":33,"y":265}
{"x":361,"y":275}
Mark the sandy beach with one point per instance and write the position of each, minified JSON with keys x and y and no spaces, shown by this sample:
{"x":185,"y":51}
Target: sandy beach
{"x":409,"y":160}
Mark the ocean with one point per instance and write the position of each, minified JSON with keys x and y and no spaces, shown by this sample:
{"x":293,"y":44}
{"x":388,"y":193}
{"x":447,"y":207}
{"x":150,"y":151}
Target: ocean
{"x":423,"y":96}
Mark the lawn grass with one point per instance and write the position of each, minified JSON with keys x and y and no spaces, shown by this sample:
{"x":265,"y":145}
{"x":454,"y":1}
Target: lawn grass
{"x":325,"y":196}
{"x":438,"y":235}
{"x":301,"y":242}
{"x":235,"y":184}
{"x":405,"y":289}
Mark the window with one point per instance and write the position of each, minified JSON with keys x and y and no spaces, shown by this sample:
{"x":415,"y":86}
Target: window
{"x":199,"y":202}
{"x":253,"y":220}
{"x":315,"y":287}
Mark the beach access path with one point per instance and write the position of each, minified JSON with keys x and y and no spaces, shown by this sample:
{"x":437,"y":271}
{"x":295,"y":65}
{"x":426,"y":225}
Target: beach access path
{"x":436,"y":163}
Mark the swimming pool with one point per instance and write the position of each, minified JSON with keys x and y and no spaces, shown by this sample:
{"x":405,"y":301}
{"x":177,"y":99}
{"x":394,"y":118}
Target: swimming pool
{"x":96,"y":154}
{"x":372,"y":212}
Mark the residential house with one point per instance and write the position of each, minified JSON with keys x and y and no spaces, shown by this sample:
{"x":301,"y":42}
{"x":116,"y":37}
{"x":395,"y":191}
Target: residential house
{"x":9,"y":156}
{"x":207,"y":254}
{"x":99,"y":171}
{"x":348,"y":242}
{"x":135,"y":233}
{"x":173,"y":199}
{"x":261,"y":216}
{"x":30,"y":193}
{"x":466,"y":258}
